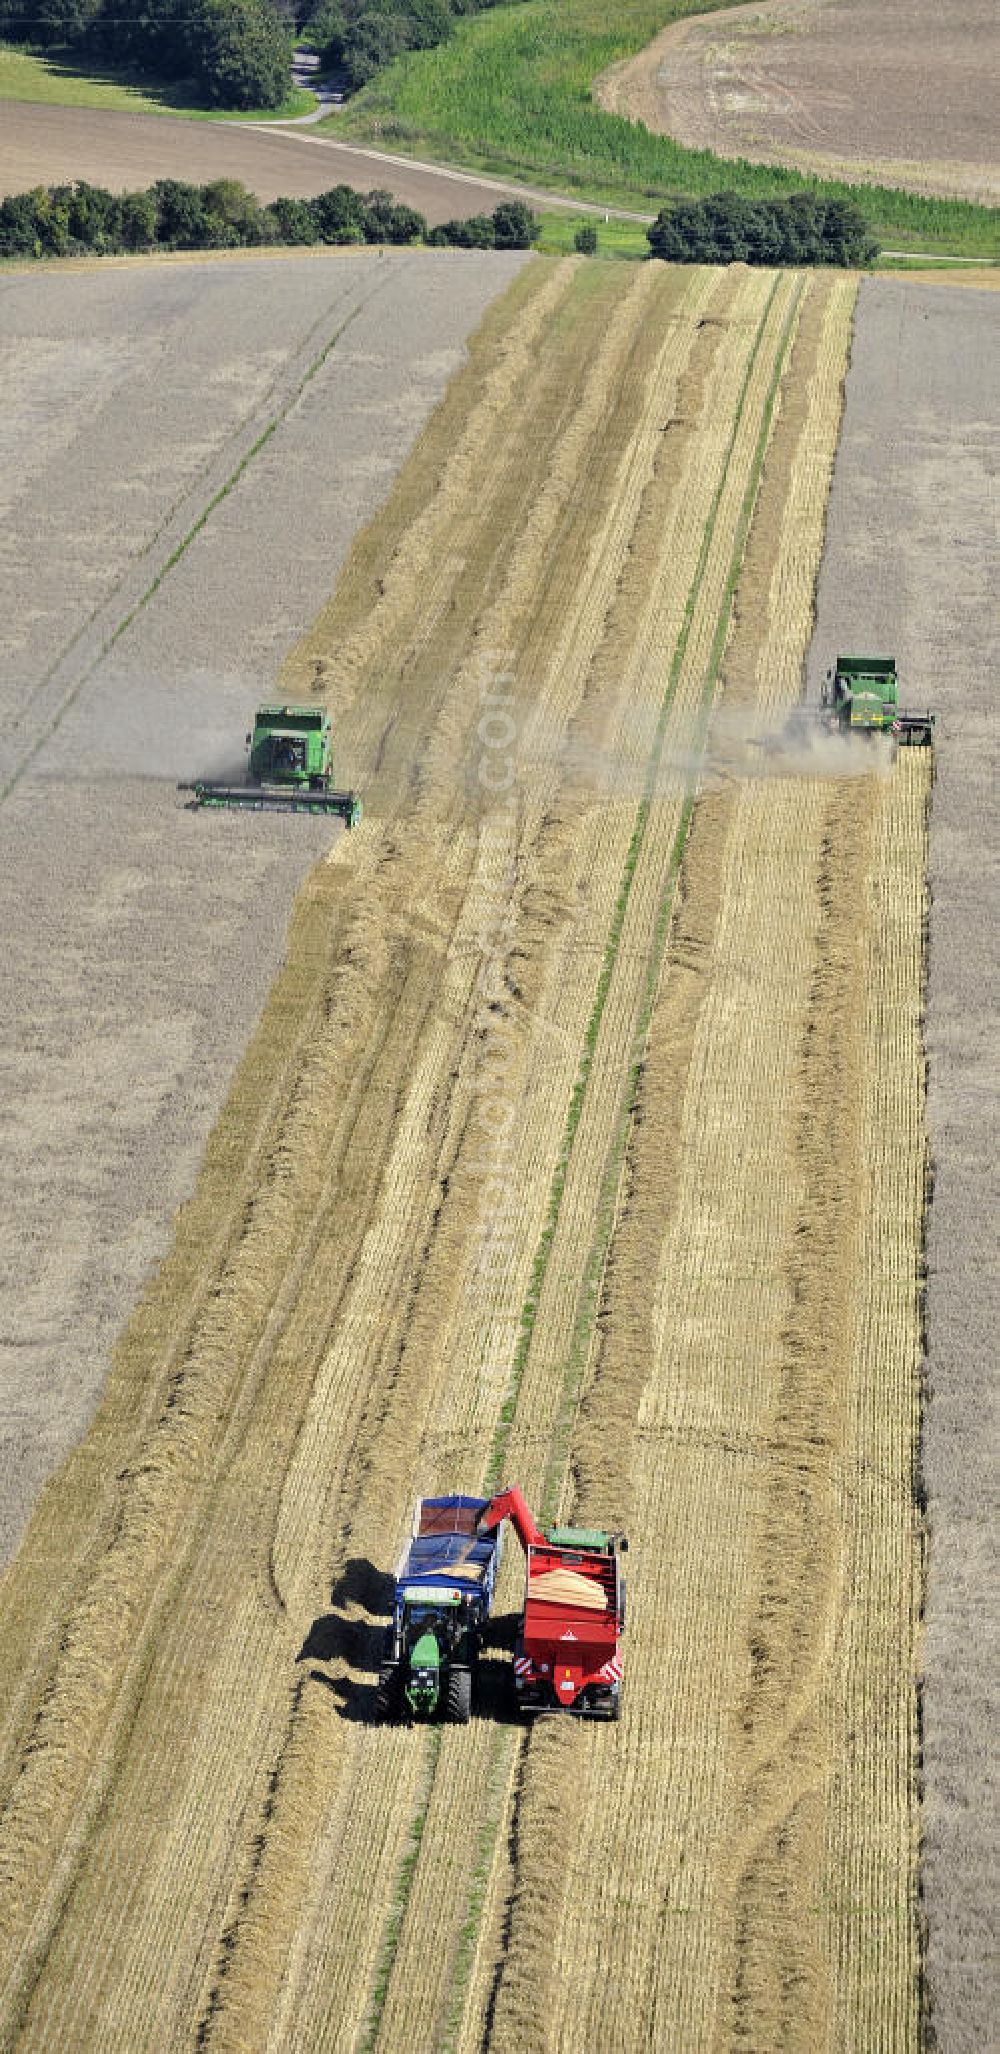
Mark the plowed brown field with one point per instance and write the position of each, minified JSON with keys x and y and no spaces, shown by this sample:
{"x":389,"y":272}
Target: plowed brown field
{"x":597,"y":1162}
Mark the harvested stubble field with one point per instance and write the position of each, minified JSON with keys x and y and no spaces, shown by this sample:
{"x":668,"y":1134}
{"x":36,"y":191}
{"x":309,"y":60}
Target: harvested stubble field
{"x":596,"y":1161}
{"x":890,"y":91}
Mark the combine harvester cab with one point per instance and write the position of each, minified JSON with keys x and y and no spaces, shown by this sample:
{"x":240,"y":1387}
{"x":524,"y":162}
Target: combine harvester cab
{"x":861,"y":697}
{"x":290,"y":768}
{"x":443,"y":1597}
{"x":568,"y":1653}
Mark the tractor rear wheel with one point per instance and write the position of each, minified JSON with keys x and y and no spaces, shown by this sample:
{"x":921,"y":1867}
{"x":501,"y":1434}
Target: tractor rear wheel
{"x":459,"y":1697}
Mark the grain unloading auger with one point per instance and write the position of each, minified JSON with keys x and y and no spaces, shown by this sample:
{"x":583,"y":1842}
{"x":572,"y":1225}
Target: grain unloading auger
{"x":290,"y":768}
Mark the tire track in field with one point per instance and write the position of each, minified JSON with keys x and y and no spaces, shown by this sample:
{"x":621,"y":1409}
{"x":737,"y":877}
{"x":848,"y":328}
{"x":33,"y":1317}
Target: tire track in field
{"x":76,"y":664}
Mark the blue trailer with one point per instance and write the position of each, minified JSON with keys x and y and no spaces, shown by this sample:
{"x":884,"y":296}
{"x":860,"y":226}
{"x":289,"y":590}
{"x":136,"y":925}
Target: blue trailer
{"x":443,"y":1597}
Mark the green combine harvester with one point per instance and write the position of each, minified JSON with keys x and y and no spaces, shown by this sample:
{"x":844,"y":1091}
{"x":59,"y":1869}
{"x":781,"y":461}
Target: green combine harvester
{"x":290,"y":768}
{"x":860,"y":697}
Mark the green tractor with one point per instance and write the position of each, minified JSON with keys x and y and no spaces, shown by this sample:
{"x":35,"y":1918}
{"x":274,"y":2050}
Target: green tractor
{"x":860,"y":697}
{"x":442,"y":1599}
{"x":431,"y":1658}
{"x":290,"y":768}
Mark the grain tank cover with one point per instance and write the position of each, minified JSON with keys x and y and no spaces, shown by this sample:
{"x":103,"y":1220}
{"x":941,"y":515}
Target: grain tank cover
{"x":874,"y":667}
{"x":300,"y":720}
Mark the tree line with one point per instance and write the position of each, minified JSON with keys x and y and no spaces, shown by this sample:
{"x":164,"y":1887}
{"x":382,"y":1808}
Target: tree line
{"x":70,"y":220}
{"x":235,"y":53}
{"x":228,"y":53}
{"x":728,"y":228}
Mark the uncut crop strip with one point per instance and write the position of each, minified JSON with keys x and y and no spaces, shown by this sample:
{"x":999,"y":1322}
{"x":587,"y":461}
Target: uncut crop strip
{"x":353,"y":1006}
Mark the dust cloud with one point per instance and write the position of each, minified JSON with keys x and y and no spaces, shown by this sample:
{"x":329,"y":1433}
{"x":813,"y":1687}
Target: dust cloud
{"x":743,"y":745}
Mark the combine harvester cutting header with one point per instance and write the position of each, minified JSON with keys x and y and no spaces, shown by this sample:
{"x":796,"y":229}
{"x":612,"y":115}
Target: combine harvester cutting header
{"x":290,"y":768}
{"x":568,"y":1650}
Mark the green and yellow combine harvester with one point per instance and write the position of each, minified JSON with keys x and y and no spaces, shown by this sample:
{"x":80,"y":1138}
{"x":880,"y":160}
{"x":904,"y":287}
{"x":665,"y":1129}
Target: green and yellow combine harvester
{"x":860,"y":696}
{"x":290,"y":768}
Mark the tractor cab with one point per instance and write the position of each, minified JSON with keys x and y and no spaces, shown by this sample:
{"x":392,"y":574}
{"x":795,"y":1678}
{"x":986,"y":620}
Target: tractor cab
{"x":435,"y":1632}
{"x":286,"y":756}
{"x":428,"y":1640}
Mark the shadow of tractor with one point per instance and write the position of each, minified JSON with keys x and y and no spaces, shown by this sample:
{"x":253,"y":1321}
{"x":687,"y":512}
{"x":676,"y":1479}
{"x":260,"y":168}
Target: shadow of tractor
{"x":350,"y":1637}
